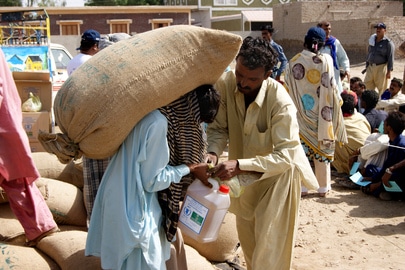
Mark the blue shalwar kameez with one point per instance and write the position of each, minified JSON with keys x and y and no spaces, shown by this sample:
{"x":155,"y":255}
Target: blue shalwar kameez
{"x":125,"y":228}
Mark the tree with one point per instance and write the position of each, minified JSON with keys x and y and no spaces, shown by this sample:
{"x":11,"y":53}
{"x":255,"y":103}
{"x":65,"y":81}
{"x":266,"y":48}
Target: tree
{"x":10,"y":3}
{"x":52,"y":3}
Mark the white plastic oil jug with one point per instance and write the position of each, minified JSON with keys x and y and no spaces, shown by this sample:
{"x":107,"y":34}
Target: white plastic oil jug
{"x":204,"y":210}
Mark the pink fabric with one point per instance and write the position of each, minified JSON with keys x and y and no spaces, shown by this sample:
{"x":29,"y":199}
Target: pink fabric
{"x":15,"y":152}
{"x":29,"y":206}
{"x":17,"y":169}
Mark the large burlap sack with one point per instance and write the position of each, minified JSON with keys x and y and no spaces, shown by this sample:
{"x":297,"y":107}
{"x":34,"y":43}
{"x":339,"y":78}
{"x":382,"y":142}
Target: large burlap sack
{"x":195,"y":261}
{"x":49,"y":166}
{"x":64,"y":200}
{"x":11,"y":230}
{"x":225,"y":248}
{"x":67,"y":249}
{"x":22,"y":258}
{"x":105,"y":97}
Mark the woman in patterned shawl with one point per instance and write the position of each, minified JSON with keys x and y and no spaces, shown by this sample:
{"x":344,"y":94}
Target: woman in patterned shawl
{"x":311,"y":84}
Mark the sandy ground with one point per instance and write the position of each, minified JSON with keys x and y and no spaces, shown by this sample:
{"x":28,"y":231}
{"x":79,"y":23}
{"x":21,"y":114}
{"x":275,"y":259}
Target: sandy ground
{"x":348,"y":229}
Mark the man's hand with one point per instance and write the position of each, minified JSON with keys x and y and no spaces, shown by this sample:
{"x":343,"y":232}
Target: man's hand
{"x":388,"y":76}
{"x":347,"y":74}
{"x":226,"y":170}
{"x":201,"y":171}
{"x":211,"y":158}
{"x":385,"y":179}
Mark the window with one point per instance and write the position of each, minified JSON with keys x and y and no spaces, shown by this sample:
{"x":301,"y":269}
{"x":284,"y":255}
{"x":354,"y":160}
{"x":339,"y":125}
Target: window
{"x":158,"y":23}
{"x":119,"y":26}
{"x":69,"y":27}
{"x":61,"y":58}
{"x":225,"y":2}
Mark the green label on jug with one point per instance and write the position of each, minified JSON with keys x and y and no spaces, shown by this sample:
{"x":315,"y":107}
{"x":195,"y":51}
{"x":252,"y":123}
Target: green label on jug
{"x":193,"y":214}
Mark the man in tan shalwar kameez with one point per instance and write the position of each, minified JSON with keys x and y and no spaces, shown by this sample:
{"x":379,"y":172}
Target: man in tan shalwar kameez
{"x":258,"y":118}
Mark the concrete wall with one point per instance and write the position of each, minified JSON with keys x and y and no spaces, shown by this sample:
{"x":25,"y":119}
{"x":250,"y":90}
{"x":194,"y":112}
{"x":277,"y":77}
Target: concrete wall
{"x":352,"y":23}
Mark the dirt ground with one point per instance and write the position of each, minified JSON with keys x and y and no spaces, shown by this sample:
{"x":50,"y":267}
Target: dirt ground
{"x":348,"y":229}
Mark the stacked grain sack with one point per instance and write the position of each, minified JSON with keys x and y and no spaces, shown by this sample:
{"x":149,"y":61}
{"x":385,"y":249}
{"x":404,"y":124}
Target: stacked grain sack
{"x":95,"y":109}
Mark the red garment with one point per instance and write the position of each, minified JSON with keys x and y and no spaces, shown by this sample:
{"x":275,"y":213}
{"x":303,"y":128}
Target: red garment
{"x":15,"y":152}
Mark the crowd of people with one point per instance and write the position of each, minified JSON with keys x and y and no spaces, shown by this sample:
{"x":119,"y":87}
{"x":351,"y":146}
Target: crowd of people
{"x":293,"y":121}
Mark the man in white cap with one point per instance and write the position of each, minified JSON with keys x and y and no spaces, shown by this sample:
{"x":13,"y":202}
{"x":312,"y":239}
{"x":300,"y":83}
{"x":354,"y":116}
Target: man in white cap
{"x":380,"y":60}
{"x":88,"y":48}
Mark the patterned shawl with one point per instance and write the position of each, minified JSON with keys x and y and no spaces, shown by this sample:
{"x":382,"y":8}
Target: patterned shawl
{"x":187,"y":145}
{"x":312,"y":87}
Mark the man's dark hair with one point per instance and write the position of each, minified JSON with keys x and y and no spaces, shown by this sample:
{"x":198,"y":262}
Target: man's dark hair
{"x":355,"y":79}
{"x":256,"y":53}
{"x":208,"y":101}
{"x":370,"y":97}
{"x":361,"y":84}
{"x":398,"y":81}
{"x":267,"y":28}
{"x":396,"y":120}
{"x":86,"y":45}
{"x":348,"y":103}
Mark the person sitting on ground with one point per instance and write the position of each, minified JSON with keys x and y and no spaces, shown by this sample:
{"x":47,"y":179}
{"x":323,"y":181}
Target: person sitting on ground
{"x":357,"y":130}
{"x":391,"y":170}
{"x":359,"y":87}
{"x":368,"y":103}
{"x":354,"y":80}
{"x":396,"y":99}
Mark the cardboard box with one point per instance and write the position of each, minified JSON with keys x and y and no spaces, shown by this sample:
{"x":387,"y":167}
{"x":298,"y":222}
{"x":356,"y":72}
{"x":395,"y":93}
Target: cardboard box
{"x":33,"y":122}
{"x":38,"y":83}
{"x":36,"y":147}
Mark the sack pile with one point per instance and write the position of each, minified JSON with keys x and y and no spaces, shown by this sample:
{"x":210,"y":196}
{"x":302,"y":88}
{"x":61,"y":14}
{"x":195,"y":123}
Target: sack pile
{"x":65,"y":250}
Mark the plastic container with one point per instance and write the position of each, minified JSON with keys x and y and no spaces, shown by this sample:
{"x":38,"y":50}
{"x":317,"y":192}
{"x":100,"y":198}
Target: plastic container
{"x":203,"y":210}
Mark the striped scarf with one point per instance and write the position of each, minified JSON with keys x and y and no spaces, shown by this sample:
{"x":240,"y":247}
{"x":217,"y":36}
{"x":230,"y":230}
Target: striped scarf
{"x":187,"y":145}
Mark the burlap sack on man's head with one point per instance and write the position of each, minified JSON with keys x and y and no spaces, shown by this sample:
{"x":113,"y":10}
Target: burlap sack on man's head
{"x":102,"y":101}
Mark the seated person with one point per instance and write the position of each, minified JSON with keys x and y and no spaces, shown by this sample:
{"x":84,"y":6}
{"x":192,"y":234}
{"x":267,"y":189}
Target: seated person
{"x":392,"y":169}
{"x":353,"y":80}
{"x":359,"y":87}
{"x":396,"y":99}
{"x":357,"y":130}
{"x":375,"y":117}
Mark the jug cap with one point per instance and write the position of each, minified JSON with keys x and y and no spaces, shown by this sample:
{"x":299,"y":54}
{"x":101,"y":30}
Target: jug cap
{"x":224,"y":189}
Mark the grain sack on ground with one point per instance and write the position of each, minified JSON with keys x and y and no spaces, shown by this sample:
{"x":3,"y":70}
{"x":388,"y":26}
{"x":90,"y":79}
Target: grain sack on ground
{"x":67,"y":250}
{"x":11,"y":230}
{"x":195,"y":261}
{"x":49,"y":166}
{"x":73,"y":174}
{"x":101,"y":102}
{"x":23,"y":258}
{"x":224,"y":248}
{"x":64,"y":200}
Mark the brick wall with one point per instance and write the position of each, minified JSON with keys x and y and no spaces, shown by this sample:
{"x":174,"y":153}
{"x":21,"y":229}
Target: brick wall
{"x":352,"y":23}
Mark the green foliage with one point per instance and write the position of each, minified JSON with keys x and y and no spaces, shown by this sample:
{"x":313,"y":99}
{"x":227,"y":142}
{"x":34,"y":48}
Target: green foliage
{"x":52,"y":3}
{"x":10,"y":3}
